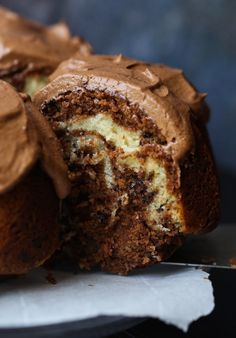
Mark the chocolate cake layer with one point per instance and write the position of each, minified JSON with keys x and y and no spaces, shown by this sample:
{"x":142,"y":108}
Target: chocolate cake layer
{"x":29,"y":52}
{"x":33,"y":179}
{"x":143,"y":175}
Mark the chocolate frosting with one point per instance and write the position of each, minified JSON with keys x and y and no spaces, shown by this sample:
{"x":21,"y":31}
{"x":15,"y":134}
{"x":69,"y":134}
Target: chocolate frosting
{"x":23,"y":42}
{"x":25,"y":138}
{"x":183,"y":89}
{"x":161,"y":92}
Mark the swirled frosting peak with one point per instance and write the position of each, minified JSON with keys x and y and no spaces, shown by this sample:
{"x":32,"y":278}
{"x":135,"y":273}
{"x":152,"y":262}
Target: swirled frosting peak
{"x":23,"y":41}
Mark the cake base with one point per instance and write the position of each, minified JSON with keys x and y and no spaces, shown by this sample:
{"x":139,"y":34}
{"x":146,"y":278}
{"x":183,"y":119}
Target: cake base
{"x":28,"y":223}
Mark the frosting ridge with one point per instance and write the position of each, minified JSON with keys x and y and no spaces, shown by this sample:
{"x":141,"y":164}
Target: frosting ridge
{"x":163,"y":93}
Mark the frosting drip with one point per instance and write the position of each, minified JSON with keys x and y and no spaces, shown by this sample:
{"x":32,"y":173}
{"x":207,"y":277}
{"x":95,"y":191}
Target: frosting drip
{"x":25,"y":138}
{"x":19,"y":148}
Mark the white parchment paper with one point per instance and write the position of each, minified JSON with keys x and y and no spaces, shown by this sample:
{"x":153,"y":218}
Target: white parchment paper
{"x":175,"y":295}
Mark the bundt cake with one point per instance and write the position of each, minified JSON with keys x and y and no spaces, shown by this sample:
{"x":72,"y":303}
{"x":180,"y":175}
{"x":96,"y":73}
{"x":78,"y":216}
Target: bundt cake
{"x":29,"y":52}
{"x":142,"y":171}
{"x":33,"y":179}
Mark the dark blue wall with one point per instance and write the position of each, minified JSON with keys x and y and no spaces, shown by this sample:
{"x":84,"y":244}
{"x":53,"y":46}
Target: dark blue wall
{"x":196,"y":35}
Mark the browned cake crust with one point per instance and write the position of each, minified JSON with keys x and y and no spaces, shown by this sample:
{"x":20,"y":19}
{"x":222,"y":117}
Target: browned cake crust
{"x":30,"y":51}
{"x":28,"y":223}
{"x":32,"y":182}
{"x":139,"y":160}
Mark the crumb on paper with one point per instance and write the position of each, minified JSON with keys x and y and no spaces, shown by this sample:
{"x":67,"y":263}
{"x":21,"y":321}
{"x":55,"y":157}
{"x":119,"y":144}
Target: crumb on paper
{"x":51,"y":279}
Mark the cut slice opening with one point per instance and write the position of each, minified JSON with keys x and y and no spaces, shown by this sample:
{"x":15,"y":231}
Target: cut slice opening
{"x":124,"y":208}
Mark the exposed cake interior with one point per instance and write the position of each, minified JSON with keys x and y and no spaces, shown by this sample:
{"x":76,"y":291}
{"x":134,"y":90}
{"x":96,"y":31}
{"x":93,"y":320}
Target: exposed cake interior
{"x":34,"y":82}
{"x":26,"y":80}
{"x":124,"y":204}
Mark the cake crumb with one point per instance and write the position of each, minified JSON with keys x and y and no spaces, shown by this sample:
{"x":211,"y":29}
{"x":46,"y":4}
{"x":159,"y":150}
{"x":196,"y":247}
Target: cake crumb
{"x":51,"y":279}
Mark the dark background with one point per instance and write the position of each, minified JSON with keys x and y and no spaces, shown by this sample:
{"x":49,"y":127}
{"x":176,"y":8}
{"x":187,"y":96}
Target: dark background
{"x":198,"y":36}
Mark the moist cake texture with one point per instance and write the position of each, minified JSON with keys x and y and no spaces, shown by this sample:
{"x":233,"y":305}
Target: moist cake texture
{"x":33,"y":179}
{"x":143,"y":176}
{"x":29,"y":52}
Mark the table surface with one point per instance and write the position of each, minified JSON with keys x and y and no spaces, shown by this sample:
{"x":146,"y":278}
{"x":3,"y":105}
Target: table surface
{"x":221,"y":323}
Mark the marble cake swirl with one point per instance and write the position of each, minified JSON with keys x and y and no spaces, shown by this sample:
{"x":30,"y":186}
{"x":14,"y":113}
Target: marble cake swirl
{"x":143,"y":175}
